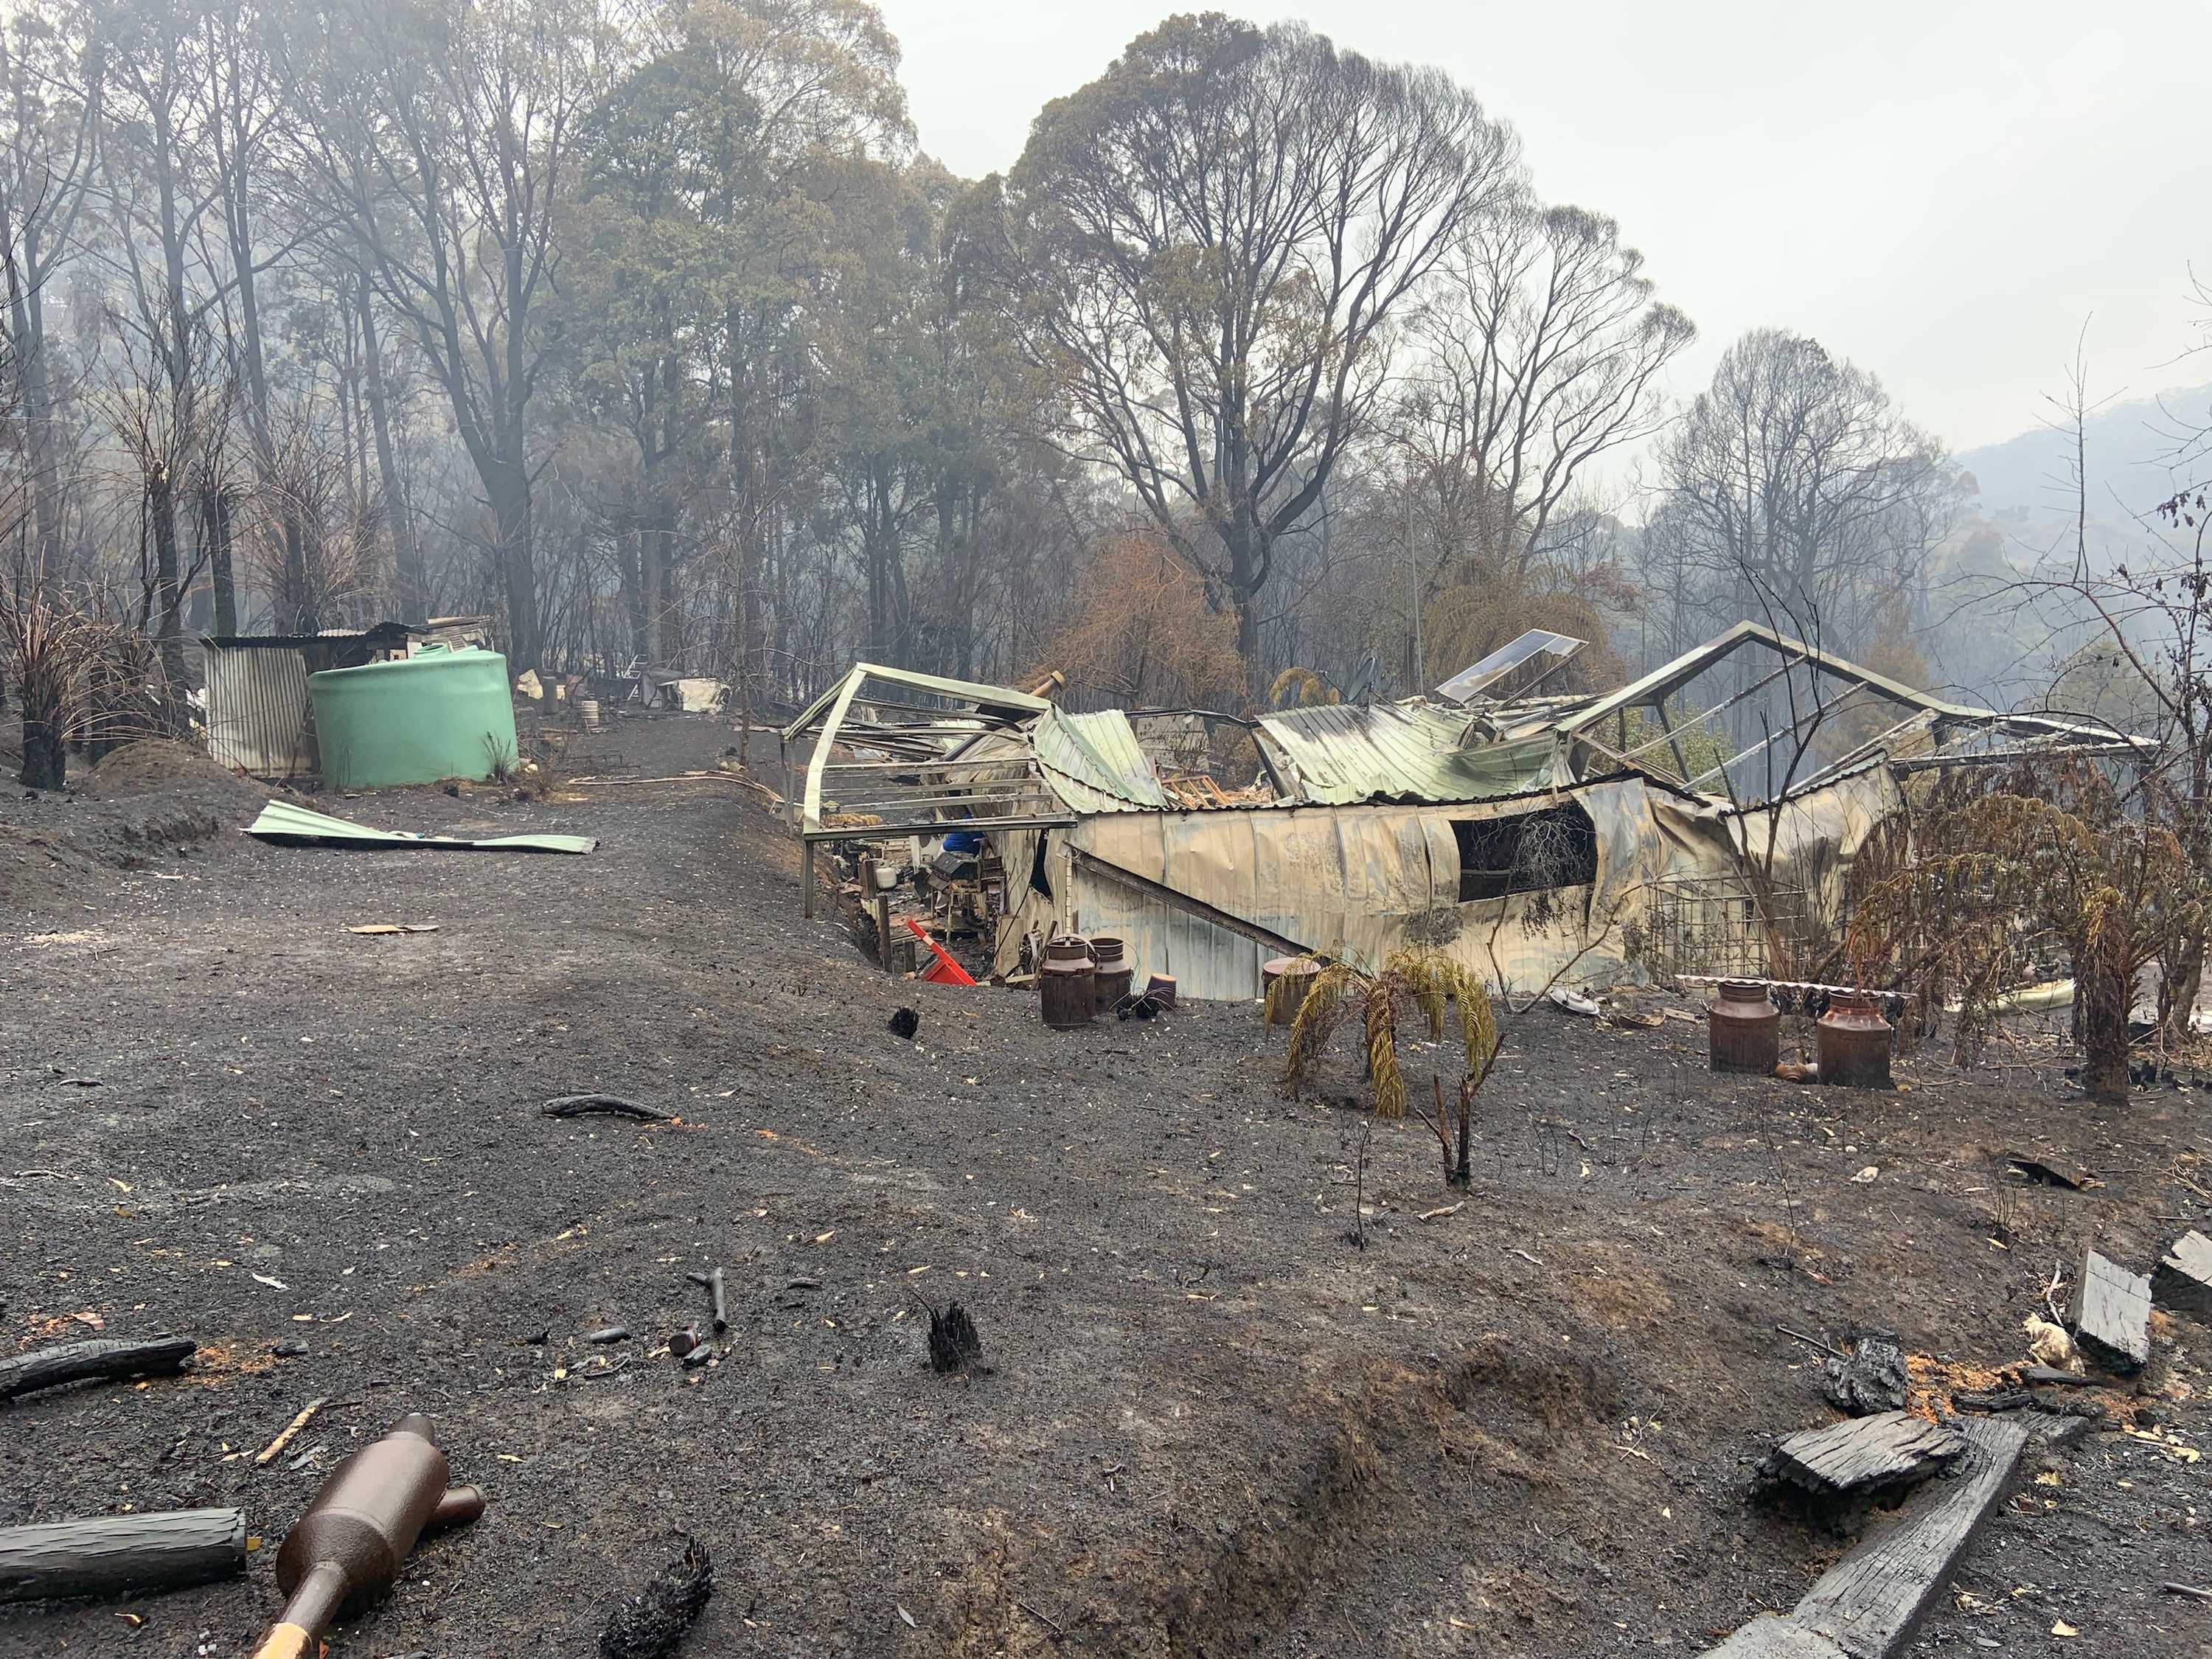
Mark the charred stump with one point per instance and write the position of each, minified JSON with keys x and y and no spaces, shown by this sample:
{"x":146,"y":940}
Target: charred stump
{"x":653,"y":1624}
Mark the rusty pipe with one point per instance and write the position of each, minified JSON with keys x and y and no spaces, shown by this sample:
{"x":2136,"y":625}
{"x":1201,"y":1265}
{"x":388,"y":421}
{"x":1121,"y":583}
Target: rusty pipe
{"x":347,"y":1549}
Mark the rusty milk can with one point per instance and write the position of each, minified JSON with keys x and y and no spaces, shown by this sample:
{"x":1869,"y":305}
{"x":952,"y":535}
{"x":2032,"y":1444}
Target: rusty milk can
{"x":1067,"y":984}
{"x":1852,"y":1040}
{"x":1744,"y":1028}
{"x":1113,"y":972}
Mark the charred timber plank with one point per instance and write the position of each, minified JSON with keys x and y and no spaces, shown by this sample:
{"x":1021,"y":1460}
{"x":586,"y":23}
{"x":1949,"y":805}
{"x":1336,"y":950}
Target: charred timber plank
{"x":2111,"y":1313}
{"x":74,"y":1362}
{"x":111,"y":1554}
{"x":1866,"y":1454}
{"x":1869,"y":1602}
{"x":1867,"y":1605}
{"x":2184,"y":1277}
{"x":1776,"y":1636}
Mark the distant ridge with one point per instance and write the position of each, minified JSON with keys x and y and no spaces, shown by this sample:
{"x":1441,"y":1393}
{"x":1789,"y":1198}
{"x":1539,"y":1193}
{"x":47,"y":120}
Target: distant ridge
{"x":2128,"y":445}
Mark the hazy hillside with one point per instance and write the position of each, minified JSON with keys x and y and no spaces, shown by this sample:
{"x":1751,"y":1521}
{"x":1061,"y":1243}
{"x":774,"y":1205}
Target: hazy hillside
{"x":2128,"y":445}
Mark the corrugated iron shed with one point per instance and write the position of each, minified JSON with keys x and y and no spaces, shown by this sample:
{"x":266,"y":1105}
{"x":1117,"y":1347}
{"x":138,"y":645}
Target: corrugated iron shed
{"x":257,"y":713}
{"x":1341,"y":754}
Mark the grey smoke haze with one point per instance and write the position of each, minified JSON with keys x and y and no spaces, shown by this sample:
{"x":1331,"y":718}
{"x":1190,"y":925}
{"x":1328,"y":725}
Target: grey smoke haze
{"x":1941,"y":192}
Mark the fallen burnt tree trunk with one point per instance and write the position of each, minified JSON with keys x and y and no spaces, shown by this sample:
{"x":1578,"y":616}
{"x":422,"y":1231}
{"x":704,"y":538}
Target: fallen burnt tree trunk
{"x":113,"y":1554}
{"x":74,"y":1362}
{"x":612,"y":1105}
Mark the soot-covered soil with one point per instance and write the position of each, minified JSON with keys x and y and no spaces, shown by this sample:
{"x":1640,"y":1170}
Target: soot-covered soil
{"x":1209,"y":1423}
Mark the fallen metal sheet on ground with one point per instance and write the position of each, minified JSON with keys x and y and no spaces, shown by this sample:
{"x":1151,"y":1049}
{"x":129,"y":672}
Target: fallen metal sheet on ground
{"x":286,"y":825}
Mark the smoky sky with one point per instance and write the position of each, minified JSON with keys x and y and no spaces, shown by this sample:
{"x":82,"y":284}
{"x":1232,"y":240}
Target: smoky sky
{"x":1945,"y":192}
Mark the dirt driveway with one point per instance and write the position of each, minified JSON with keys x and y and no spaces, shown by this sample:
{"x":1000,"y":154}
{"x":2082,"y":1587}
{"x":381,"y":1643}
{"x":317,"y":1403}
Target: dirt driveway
{"x":1211,"y":1424}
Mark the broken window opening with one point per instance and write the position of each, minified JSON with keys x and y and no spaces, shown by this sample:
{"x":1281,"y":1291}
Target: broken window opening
{"x":1528,"y":852}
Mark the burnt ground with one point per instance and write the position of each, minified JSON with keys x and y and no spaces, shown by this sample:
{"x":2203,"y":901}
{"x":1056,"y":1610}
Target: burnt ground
{"x":1211,"y":1424}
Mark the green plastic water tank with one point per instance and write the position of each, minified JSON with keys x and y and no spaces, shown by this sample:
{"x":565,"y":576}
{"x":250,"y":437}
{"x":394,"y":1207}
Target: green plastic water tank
{"x":415,"y":719}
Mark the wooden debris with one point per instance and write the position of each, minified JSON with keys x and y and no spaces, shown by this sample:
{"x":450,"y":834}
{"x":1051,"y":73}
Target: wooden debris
{"x":384,"y":929}
{"x":268,"y":1453}
{"x":2183,"y":1277}
{"x":2110,"y":1313}
{"x":1993,"y":1399}
{"x":2039,"y":1376}
{"x":683,"y":1341}
{"x":607,"y":1334}
{"x":653,"y":1624}
{"x":2189,"y":1590}
{"x":74,"y":1362}
{"x":1811,"y":1342}
{"x":1865,"y":1457}
{"x":1871,"y":1380}
{"x":1867,"y":1605}
{"x":718,"y":1294}
{"x":615,"y":1105}
{"x":115,"y":1554}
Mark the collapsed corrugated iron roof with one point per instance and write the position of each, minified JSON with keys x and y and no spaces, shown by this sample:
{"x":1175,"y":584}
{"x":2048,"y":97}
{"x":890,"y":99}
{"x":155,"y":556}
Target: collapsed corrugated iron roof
{"x":1341,"y":754}
{"x":1094,"y":762}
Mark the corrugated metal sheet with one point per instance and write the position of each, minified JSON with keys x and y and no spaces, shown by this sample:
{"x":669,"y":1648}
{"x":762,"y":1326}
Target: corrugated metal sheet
{"x":1094,"y":763}
{"x":1340,"y":755}
{"x":286,"y":825}
{"x":258,"y":712}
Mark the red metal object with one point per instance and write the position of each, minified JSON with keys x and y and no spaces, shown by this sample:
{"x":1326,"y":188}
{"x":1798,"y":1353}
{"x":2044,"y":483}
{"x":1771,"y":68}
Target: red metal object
{"x":944,"y":970}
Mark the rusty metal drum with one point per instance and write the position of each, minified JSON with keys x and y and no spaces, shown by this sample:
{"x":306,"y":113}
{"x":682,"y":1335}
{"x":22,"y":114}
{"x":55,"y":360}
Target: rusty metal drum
{"x":1112,"y":971}
{"x":1067,"y":984}
{"x":1744,"y":1027}
{"x":1853,"y":1040}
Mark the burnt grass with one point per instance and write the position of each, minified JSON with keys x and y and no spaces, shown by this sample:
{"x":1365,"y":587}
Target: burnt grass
{"x":1203,"y":1422}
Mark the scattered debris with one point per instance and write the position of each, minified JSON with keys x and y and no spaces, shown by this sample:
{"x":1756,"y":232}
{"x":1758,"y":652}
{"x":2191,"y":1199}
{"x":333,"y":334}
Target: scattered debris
{"x":2041,"y":1375}
{"x":74,"y":1362}
{"x":2111,"y":1313}
{"x":1797,"y":1071}
{"x":1573,"y":1002}
{"x":273,"y":1284}
{"x":2050,"y":1344}
{"x":381,"y":929}
{"x":905,"y":1023}
{"x":2047,"y":1169}
{"x":685,"y":1339}
{"x":1866,"y":1177}
{"x":351,"y":1542}
{"x":2183,"y":1277}
{"x":1812,"y":1341}
{"x":1449,"y":1209}
{"x":713,"y":1281}
{"x":111,"y":1555}
{"x":283,"y":824}
{"x":651,"y":1624}
{"x":2189,"y":1590}
{"x":608,"y":1333}
{"x":1865,"y":1457}
{"x":612,"y":1105}
{"x":1872,"y":1380}
{"x":268,"y":1453}
{"x":290,"y":1348}
{"x":1991,"y":1401}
